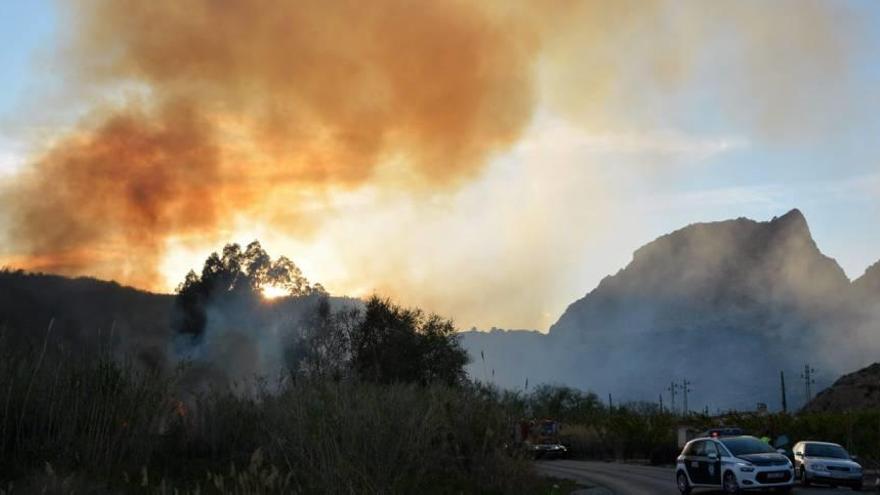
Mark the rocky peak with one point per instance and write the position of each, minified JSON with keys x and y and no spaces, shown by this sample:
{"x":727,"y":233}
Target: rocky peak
{"x":869,"y":283}
{"x":716,"y":268}
{"x":793,"y":219}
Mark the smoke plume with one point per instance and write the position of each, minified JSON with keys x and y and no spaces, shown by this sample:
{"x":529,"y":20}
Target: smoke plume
{"x":235,"y":99}
{"x":208,"y":114}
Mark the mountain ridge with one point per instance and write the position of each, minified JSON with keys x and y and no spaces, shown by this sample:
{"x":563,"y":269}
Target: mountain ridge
{"x":719,"y":261}
{"x":757,"y":295}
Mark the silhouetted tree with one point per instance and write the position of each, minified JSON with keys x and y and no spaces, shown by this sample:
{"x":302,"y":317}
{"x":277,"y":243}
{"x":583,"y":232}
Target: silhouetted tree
{"x":393,"y":344}
{"x":235,"y":275}
{"x":321,"y":347}
{"x":380,"y":343}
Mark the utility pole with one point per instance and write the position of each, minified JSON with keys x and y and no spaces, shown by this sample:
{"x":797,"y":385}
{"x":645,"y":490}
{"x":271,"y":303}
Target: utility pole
{"x":673,"y":389}
{"x":610,"y":403}
{"x":685,"y":388}
{"x":660,"y":396}
{"x":782,"y":384}
{"x":807,"y":376}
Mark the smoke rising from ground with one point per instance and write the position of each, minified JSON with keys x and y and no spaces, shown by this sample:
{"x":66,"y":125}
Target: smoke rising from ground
{"x":726,"y":305}
{"x":209,"y":115}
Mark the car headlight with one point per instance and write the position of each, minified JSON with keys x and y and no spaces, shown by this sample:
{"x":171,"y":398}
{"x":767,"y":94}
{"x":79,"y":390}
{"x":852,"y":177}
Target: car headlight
{"x":745,"y":467}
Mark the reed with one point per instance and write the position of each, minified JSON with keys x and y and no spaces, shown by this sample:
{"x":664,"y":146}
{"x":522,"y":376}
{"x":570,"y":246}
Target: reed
{"x":101,"y":424}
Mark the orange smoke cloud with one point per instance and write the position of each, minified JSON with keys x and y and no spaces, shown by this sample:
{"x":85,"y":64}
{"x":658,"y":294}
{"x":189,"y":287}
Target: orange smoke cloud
{"x":119,"y":188}
{"x":238,"y":97}
{"x":206,"y":115}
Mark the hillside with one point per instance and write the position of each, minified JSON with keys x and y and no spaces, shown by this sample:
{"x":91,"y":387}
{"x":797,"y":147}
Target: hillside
{"x":751,"y":270}
{"x":854,"y":391}
{"x":868,"y":285}
{"x":86,"y":313}
{"x":726,"y":305}
{"x":89,"y":314}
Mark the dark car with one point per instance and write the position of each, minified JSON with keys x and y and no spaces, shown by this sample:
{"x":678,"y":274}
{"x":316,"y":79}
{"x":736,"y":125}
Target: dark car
{"x":547,"y":450}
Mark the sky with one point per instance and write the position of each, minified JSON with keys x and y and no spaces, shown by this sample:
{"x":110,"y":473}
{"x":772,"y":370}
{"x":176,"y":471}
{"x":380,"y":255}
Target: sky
{"x":489,"y":164}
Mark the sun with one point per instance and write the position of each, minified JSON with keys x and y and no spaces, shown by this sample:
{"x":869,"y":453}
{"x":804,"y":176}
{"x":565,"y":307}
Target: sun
{"x":273,"y":291}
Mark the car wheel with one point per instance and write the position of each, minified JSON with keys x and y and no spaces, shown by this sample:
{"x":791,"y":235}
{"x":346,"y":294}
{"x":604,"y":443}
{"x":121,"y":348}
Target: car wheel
{"x":803,"y":477}
{"x":730,"y":484}
{"x":683,"y":485}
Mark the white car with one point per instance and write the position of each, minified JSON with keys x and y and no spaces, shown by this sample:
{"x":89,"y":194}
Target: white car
{"x":733,"y":464}
{"x":828,"y":463}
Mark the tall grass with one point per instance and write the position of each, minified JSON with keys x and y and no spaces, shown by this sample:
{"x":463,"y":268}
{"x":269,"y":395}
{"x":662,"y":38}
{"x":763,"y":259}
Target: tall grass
{"x":364,"y":438}
{"x":74,"y":411}
{"x":75,"y":424}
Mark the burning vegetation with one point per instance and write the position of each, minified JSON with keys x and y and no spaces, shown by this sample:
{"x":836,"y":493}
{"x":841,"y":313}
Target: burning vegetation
{"x":367,"y":397}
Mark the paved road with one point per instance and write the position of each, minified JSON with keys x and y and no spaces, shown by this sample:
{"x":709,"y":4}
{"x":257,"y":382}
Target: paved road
{"x":628,"y":479}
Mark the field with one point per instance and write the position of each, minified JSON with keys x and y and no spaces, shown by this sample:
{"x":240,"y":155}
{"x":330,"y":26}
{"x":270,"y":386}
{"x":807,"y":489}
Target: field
{"x":100,"y":425}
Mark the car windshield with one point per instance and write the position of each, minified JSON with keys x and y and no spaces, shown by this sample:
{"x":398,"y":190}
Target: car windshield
{"x":747,"y":445}
{"x":823,"y":450}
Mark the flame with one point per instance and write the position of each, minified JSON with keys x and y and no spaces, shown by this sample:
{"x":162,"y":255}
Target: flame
{"x":180,"y":408}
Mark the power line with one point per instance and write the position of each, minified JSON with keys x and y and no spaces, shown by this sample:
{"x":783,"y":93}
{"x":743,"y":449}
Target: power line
{"x":673,"y":389}
{"x":807,"y":376}
{"x":685,"y":388}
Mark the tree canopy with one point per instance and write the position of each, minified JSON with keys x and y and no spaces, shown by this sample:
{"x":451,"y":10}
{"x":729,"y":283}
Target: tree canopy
{"x":240,"y":274}
{"x":376,"y":341}
{"x":382,"y":343}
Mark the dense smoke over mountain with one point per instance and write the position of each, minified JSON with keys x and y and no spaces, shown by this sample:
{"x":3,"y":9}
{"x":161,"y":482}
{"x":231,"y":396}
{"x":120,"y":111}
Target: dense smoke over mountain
{"x":197,"y":120}
{"x":725,"y":305}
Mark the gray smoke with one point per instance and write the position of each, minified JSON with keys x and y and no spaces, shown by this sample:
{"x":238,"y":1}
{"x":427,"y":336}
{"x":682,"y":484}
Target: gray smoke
{"x":725,"y":305}
{"x":245,"y":344}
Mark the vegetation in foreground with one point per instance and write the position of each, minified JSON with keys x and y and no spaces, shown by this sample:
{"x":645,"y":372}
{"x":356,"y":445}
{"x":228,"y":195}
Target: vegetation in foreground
{"x":74,"y":424}
{"x":372,"y":399}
